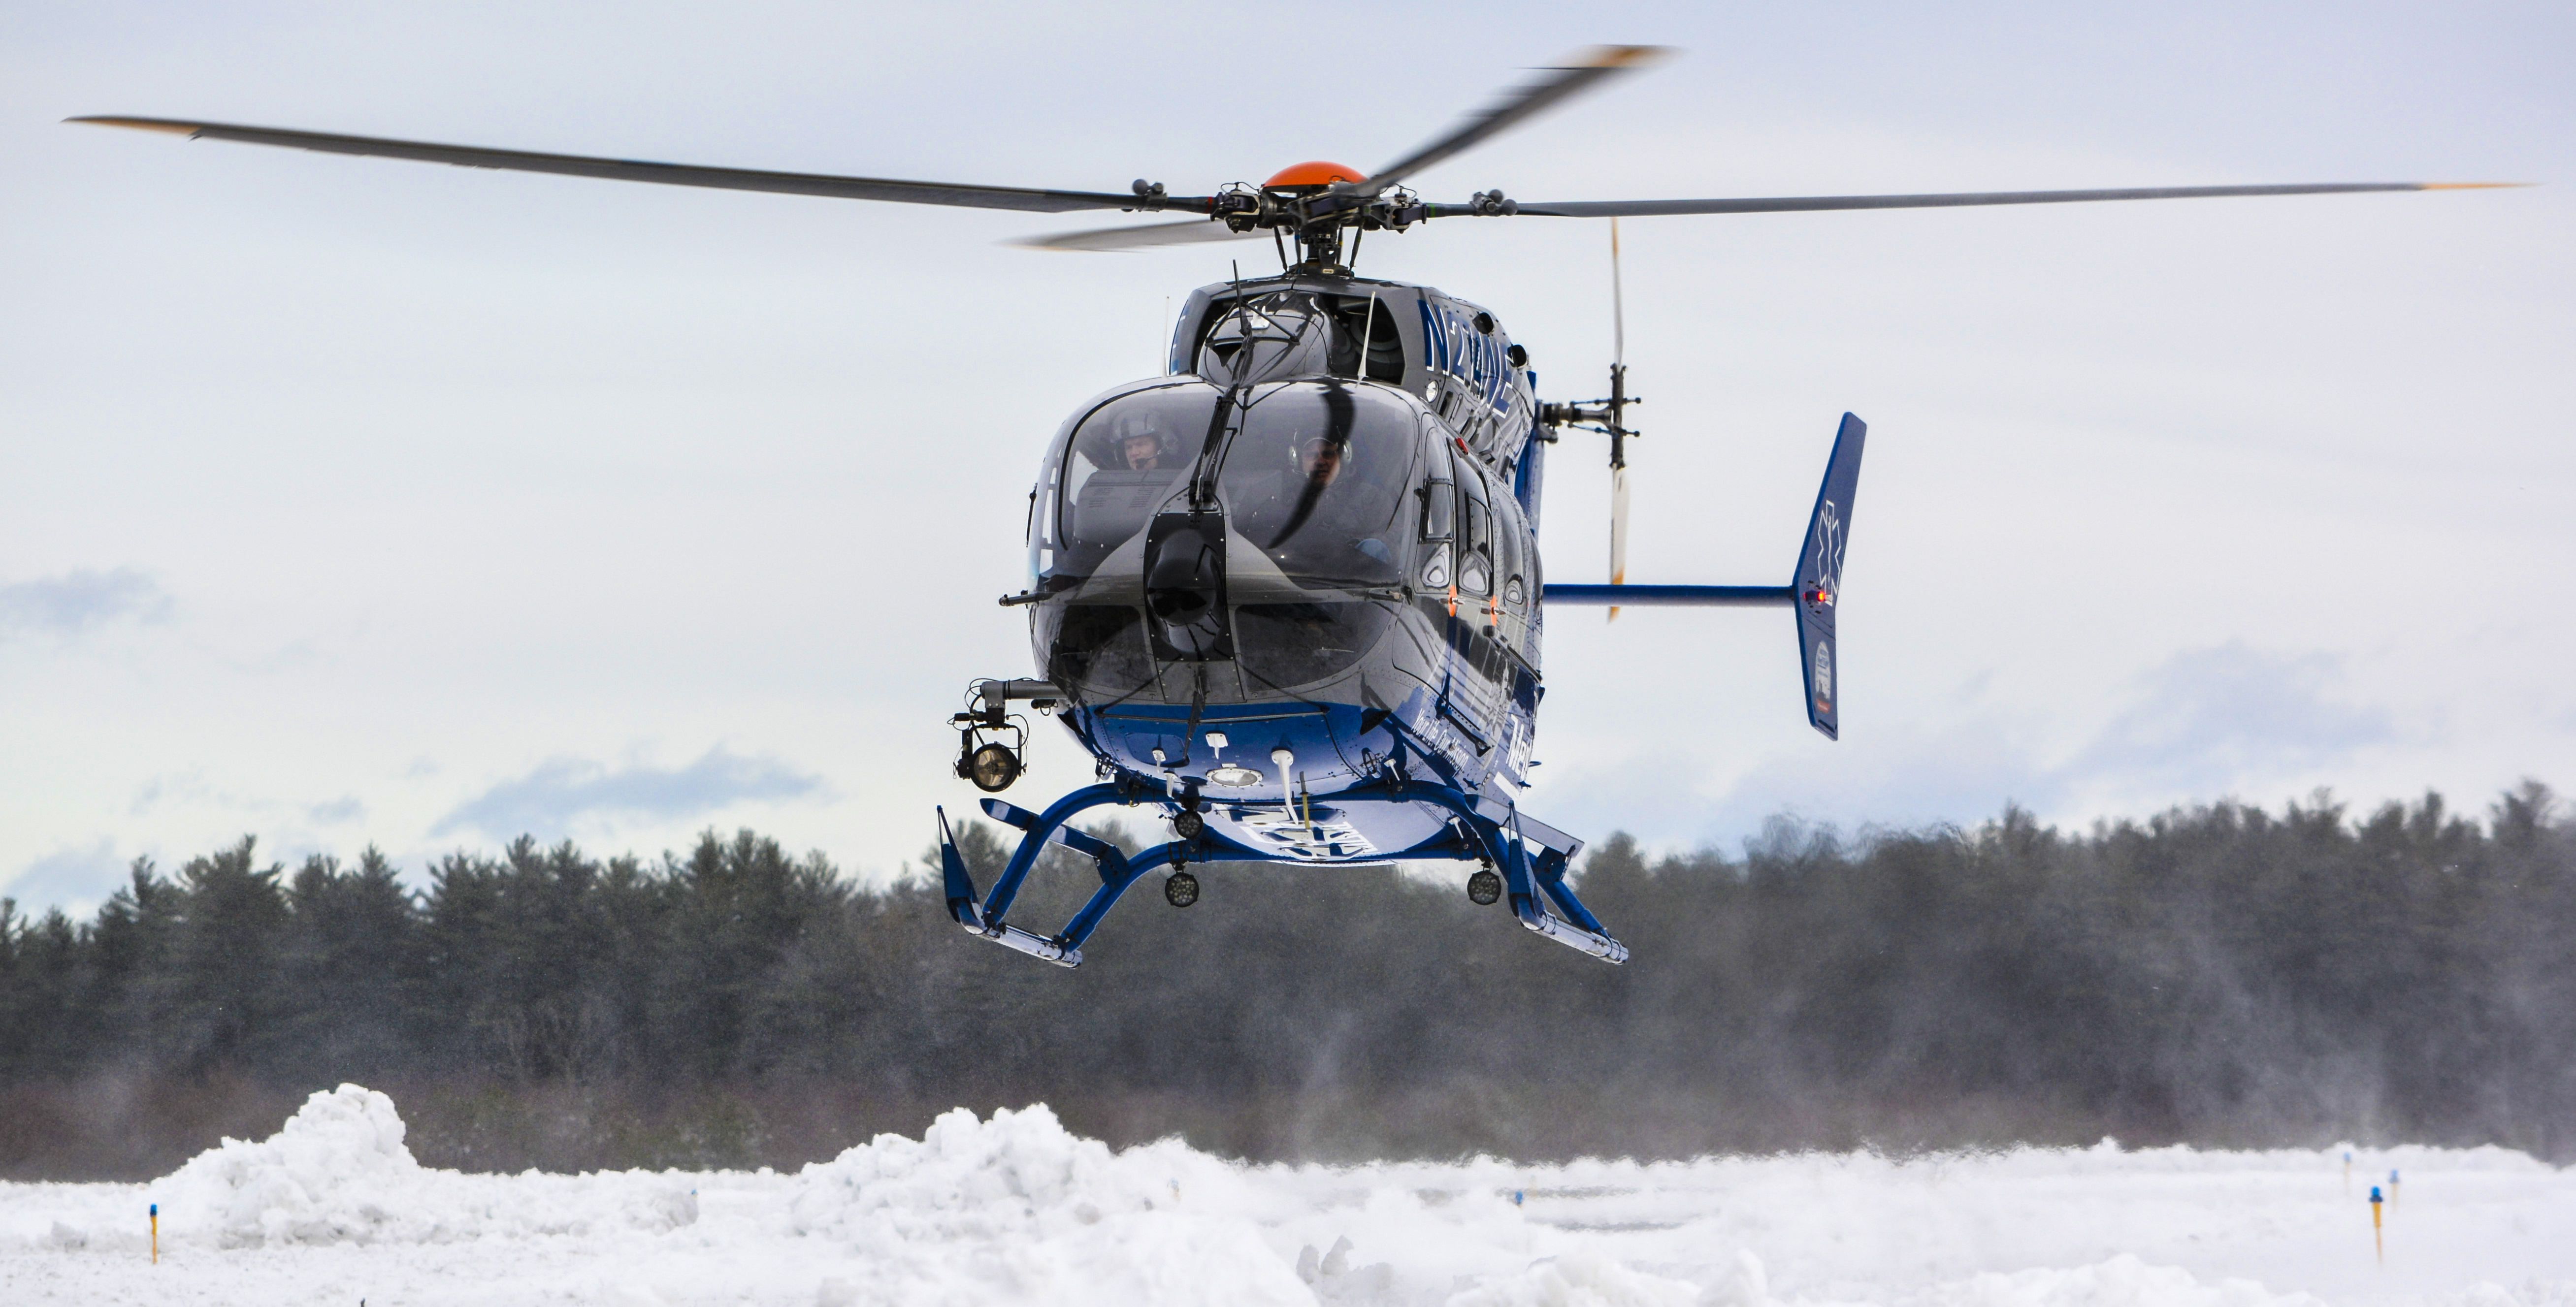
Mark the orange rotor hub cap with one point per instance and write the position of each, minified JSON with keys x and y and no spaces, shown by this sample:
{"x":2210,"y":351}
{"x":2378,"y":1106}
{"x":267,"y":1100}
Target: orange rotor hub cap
{"x":1315,"y":173}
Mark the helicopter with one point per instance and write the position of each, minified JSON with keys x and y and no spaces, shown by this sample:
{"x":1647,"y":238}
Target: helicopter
{"x":1288,"y":593}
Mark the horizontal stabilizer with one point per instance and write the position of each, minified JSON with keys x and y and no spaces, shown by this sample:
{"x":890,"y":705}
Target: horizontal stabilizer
{"x":1669,"y":596}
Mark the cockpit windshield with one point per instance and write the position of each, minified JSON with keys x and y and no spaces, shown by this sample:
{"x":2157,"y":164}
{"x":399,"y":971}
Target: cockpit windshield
{"x":1313,"y":478}
{"x":1128,"y":457}
{"x":1310,"y":473}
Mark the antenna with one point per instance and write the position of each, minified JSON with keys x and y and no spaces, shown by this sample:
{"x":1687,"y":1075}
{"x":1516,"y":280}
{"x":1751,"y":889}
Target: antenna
{"x":1368,"y":327}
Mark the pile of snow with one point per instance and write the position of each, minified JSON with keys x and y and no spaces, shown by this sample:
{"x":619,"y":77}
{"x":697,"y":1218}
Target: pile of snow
{"x":1017,"y":1207}
{"x":337,"y":1172}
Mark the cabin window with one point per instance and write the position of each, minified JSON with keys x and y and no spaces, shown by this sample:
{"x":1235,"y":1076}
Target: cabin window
{"x":1475,"y":536}
{"x":1507,"y":549}
{"x":1439,"y":502}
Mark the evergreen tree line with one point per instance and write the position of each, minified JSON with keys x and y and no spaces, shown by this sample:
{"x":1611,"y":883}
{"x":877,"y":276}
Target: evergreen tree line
{"x":2217,"y":974}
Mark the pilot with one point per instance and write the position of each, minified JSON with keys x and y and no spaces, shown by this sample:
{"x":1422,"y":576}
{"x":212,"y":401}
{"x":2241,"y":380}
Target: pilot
{"x":1142,"y":450}
{"x":1302,"y":519}
{"x":1320,"y":458}
{"x":1320,"y":461}
{"x":1139,"y":441}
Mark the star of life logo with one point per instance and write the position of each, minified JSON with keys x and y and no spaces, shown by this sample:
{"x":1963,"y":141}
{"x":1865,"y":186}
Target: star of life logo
{"x":1828,"y":584}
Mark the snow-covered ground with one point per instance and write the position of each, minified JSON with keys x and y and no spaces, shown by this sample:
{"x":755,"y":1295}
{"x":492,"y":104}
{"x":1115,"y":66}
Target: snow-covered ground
{"x":334,"y":1210}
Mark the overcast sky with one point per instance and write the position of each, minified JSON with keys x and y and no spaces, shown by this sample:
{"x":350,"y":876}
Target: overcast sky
{"x":349,"y":501}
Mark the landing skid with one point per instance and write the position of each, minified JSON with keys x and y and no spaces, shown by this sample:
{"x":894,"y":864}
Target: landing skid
{"x":1534,"y":858}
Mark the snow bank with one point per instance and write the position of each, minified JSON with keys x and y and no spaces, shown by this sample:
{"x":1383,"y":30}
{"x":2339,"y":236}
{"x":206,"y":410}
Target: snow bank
{"x":337,"y":1172}
{"x":333,"y":1208}
{"x":1035,"y":1209}
{"x":2123,"y":1281}
{"x":1583,"y":1278}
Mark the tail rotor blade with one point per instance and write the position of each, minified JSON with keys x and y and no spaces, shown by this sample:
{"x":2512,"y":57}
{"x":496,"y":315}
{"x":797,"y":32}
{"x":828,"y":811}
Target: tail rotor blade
{"x":1618,"y":304}
{"x":1618,"y":531}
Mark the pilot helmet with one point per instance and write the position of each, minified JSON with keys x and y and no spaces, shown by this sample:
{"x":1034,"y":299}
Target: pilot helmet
{"x":1138,"y":422}
{"x":1339,"y":445}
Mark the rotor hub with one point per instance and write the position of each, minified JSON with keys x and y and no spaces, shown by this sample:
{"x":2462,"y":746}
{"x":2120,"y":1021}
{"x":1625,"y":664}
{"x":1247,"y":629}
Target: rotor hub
{"x":1313,"y":172}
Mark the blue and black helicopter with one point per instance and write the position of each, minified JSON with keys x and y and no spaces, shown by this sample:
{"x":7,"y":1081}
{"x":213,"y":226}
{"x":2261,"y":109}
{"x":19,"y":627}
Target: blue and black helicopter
{"x":1289,"y":592}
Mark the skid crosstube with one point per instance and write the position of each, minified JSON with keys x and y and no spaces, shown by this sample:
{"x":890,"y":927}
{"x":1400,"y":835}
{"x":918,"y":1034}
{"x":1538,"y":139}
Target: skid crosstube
{"x":1533,"y":856}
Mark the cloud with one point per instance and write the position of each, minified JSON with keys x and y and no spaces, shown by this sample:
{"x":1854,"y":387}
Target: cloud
{"x":2209,"y":716}
{"x":346,"y":808}
{"x":2226,"y":719}
{"x":76,"y":601}
{"x":562,"y":790}
{"x":76,"y":880}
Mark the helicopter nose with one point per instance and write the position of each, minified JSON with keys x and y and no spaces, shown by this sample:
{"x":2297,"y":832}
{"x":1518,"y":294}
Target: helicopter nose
{"x":1183,"y":575}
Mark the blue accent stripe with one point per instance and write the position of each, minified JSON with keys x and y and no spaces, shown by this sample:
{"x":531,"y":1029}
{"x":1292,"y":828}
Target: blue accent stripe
{"x":1671,"y":596}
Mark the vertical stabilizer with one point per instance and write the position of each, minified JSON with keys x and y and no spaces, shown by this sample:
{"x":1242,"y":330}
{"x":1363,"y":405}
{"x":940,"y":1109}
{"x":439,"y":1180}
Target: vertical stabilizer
{"x":1819,"y":580}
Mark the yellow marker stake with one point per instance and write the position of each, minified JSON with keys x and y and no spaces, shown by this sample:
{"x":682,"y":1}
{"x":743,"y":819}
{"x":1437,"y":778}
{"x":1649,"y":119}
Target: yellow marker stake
{"x":156,"y":1234}
{"x":2378,"y":1240}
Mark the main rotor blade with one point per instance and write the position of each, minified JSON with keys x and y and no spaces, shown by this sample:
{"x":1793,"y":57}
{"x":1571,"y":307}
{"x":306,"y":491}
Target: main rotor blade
{"x":1586,"y":69}
{"x":1818,"y":203}
{"x":1144,"y":237}
{"x":669,"y":174}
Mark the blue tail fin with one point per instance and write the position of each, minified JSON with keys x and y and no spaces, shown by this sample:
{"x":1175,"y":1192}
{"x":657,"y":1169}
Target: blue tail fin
{"x":1818,"y":582}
